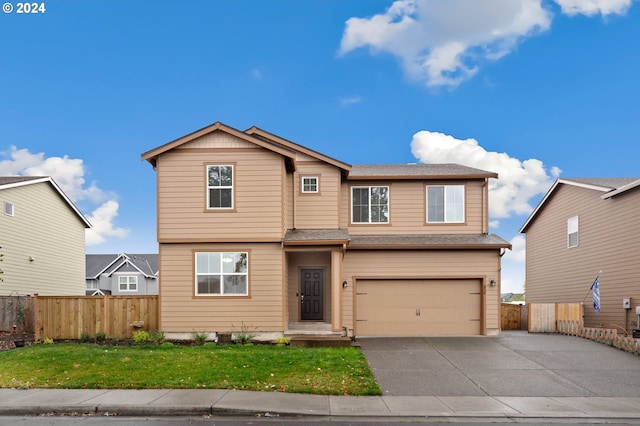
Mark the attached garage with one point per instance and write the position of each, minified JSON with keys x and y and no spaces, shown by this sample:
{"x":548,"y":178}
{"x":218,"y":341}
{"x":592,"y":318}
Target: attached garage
{"x":418,"y":307}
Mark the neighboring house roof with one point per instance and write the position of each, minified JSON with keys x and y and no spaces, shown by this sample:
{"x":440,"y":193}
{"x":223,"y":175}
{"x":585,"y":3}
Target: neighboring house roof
{"x":7,"y":182}
{"x":610,"y":187}
{"x":99,"y":264}
{"x":436,"y":241}
{"x":417,"y":171}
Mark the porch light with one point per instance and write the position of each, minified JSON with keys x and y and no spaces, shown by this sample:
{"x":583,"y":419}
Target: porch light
{"x":492,"y":283}
{"x":344,"y":284}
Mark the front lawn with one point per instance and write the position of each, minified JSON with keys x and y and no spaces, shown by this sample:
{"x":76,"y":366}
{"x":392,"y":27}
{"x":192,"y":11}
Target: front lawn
{"x":327,"y":371}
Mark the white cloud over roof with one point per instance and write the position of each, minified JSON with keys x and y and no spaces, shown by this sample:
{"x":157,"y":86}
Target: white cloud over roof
{"x":518,"y":181}
{"x":69,"y":174}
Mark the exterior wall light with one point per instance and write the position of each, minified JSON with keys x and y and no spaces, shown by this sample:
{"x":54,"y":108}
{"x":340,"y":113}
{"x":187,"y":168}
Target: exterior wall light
{"x":344,"y":284}
{"x":492,"y":283}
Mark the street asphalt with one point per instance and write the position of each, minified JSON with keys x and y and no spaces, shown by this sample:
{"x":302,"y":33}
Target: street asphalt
{"x":515,"y":377}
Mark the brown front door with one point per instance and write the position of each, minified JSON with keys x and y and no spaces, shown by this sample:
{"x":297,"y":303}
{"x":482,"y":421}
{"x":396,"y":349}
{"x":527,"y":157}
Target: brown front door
{"x":311,"y":284}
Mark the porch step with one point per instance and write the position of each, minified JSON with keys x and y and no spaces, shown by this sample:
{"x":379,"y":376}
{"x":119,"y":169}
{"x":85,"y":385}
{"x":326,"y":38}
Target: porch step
{"x":309,"y":326}
{"x":321,"y":341}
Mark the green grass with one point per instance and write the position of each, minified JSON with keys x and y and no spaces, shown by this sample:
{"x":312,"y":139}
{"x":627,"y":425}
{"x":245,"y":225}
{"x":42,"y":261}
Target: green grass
{"x":326,"y":371}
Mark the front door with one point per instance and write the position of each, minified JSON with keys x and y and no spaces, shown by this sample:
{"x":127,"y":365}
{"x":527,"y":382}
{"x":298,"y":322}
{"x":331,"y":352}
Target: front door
{"x":311,"y":285}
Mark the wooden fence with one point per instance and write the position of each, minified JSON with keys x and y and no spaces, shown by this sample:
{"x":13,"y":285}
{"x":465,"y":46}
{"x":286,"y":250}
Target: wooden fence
{"x":16,"y":310}
{"x":70,"y":317}
{"x":554,"y":317}
{"x":513,"y":316}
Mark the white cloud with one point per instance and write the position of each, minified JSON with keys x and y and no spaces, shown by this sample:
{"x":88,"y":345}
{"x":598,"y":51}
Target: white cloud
{"x":102,"y":220}
{"x":350,"y":101}
{"x":69,"y":174}
{"x":518,"y":250}
{"x":594,"y":7}
{"x":517,"y":183}
{"x":443,"y":43}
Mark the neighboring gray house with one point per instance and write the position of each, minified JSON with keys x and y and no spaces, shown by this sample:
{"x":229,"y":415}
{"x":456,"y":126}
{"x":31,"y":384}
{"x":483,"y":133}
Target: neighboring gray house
{"x":581,"y":227}
{"x":42,"y":238}
{"x":122,"y":274}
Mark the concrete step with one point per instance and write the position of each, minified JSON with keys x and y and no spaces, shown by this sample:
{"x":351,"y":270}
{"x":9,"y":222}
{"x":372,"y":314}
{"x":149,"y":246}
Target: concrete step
{"x":321,"y":341}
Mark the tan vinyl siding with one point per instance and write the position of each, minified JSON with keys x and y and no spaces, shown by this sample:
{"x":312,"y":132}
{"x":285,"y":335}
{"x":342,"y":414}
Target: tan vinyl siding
{"x":608,"y":240}
{"x":399,"y":264}
{"x":407,"y":209}
{"x":45,"y":229}
{"x":258,"y":200}
{"x":184,"y":312}
{"x":317,"y":210}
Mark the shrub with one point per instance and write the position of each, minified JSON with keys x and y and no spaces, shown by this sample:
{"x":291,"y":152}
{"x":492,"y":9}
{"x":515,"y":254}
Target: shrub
{"x":48,"y":341}
{"x":282,"y":341}
{"x":158,"y":336}
{"x":199,"y":337}
{"x":84,"y":337}
{"x":244,"y":336}
{"x":101,"y":337}
{"x":141,"y":336}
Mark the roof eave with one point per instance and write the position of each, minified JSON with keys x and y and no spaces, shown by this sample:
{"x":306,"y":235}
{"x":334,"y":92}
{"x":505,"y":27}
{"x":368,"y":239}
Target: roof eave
{"x":620,"y":190}
{"x":421,"y":177}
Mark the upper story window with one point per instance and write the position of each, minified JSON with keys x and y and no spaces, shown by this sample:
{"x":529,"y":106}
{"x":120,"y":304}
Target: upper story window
{"x":222,"y":274}
{"x":572,"y":232}
{"x":370,"y":204}
{"x":310,"y":184}
{"x":92,"y":284}
{"x":445,"y":204}
{"x":127,"y":283}
{"x":8,"y":208}
{"x":220,"y":187}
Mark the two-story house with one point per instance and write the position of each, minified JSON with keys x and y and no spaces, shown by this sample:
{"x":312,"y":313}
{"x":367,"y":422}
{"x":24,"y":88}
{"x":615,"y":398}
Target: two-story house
{"x":257,"y":231}
{"x":581,"y":228}
{"x":123,"y":274}
{"x":42,"y":235}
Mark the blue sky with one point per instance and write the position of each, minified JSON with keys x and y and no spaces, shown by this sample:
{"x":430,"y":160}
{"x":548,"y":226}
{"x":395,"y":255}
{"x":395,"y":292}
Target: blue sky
{"x":530,"y":89}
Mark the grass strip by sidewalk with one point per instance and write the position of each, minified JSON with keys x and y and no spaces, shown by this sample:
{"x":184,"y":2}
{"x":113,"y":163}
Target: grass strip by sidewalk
{"x":325,"y":371}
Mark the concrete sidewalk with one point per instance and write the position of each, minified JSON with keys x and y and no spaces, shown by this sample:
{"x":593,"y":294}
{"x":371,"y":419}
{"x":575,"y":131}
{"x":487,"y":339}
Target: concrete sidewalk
{"x":161,"y":402}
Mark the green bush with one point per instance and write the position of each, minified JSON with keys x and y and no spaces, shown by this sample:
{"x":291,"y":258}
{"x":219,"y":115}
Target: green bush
{"x":244,"y":335}
{"x":84,"y":337}
{"x":101,"y":337}
{"x":199,"y":337}
{"x":141,"y":336}
{"x":157,"y":336}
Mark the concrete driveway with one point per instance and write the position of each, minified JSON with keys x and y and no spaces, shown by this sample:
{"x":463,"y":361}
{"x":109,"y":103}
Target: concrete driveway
{"x":515,"y":364}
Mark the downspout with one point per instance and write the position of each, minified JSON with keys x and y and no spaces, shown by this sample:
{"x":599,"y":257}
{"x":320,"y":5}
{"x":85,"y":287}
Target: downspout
{"x":485,"y":213}
{"x":293,"y":194}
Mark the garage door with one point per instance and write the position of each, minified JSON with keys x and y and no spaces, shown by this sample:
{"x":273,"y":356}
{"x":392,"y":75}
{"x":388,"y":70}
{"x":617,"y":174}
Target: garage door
{"x":418,"y":308}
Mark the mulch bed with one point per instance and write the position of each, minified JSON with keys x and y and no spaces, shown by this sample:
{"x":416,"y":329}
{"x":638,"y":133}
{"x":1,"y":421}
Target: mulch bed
{"x":7,"y":340}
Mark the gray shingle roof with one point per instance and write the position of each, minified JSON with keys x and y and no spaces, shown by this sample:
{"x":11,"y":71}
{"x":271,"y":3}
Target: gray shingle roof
{"x":300,"y":235}
{"x":611,"y":183}
{"x":97,"y":264}
{"x":7,"y":180}
{"x":429,"y":241}
{"x":417,"y":171}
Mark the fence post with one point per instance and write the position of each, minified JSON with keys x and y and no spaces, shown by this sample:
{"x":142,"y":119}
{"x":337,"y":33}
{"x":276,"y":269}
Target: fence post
{"x":36,"y":318}
{"x":105,"y":315}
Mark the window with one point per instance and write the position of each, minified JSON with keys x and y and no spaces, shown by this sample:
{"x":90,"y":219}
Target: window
{"x":8,"y":208}
{"x":445,"y":204}
{"x":220,"y":187}
{"x":370,"y":204}
{"x":128,"y":283}
{"x":572,"y":232}
{"x":92,"y":284}
{"x":222,"y":274}
{"x":309,"y":184}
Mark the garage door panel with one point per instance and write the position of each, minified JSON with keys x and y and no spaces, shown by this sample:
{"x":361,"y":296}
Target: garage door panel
{"x":418,"y":307}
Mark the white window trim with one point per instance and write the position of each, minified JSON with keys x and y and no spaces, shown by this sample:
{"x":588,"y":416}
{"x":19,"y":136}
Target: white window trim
{"x":573,"y":227}
{"x":464,"y":195}
{"x":369,"y":194}
{"x":233,"y":180}
{"x":92,"y":284}
{"x":9,"y":209}
{"x":222,"y":275}
{"x":128,"y":290}
{"x":317,"y":184}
